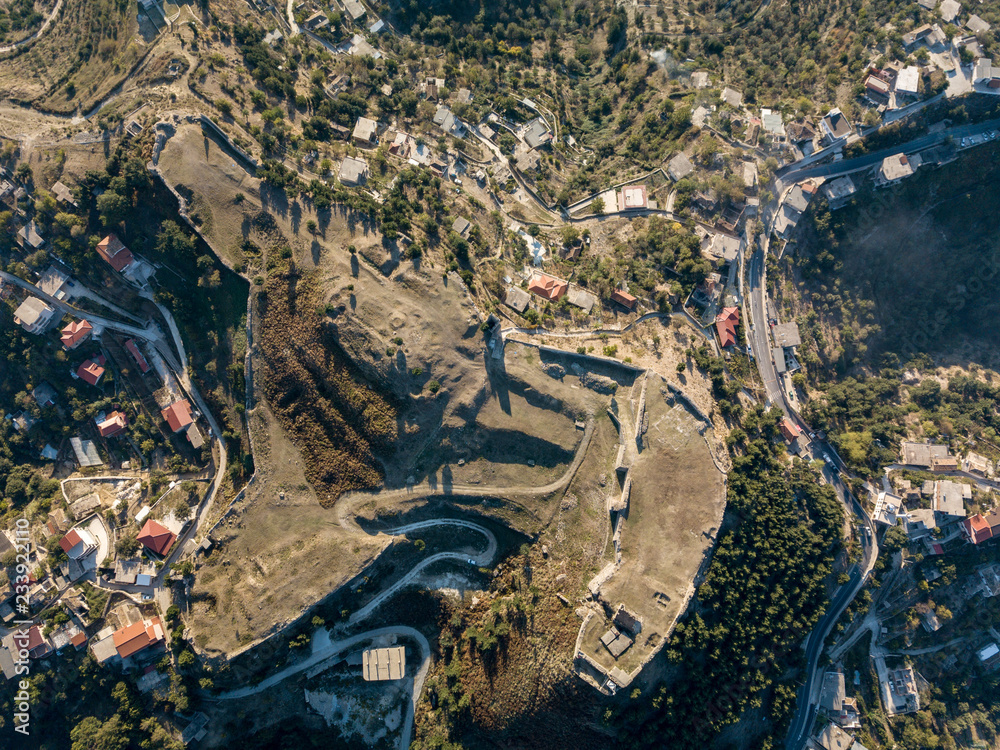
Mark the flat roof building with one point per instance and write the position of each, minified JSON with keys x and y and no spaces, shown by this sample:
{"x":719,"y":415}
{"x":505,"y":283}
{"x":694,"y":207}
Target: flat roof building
{"x":34,"y":315}
{"x":380,"y":664}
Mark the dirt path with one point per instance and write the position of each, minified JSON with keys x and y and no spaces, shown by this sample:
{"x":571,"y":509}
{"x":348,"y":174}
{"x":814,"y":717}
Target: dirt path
{"x":37,"y":35}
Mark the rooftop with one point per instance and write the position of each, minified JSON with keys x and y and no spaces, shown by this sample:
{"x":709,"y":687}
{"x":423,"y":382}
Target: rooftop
{"x":383,"y":664}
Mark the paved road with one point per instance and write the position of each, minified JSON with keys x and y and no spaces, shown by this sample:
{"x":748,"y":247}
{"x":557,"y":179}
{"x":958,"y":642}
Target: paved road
{"x":792,"y":173}
{"x":331,"y":649}
{"x":480,"y":561}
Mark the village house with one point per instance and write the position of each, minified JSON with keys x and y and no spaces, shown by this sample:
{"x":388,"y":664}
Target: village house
{"x":29,"y":238}
{"x":112,"y":426}
{"x":54,"y":282}
{"x":725,"y":326}
{"x":33,"y":315}
{"x":537,"y":133}
{"x":353,"y":171}
{"x":897,"y":167}
{"x":156,"y":538}
{"x":114,"y":253}
{"x":63,"y":195}
{"x":92,"y":370}
{"x":632,"y":198}
{"x":877,"y":88}
{"x":977,"y":25}
{"x":44,"y":394}
{"x":132,"y":639}
{"x":836,"y":704}
{"x":365,"y":133}
{"x":949,"y":501}
{"x":178,"y":415}
{"x":927,"y":456}
{"x":835,"y":126}
{"x":949,"y":10}
{"x":78,"y":543}
{"x":838,"y":192}
{"x":445,"y":119}
{"x":985,"y":73}
{"x":977,"y":529}
{"x":679,"y":167}
{"x":517,"y":299}
{"x":461,"y":226}
{"x":908,"y":81}
{"x":75,"y":334}
{"x":316,"y":21}
{"x":624,"y":299}
{"x":547,"y":287}
{"x":132,"y":348}
{"x":354,"y":9}
{"x":732,"y":97}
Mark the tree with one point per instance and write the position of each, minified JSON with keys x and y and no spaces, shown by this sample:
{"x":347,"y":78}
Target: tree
{"x":112,"y":207}
{"x":128,"y":545}
{"x":597,"y":205}
{"x":91,"y":734}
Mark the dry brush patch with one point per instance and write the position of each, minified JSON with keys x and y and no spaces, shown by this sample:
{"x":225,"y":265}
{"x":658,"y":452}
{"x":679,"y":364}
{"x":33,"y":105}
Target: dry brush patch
{"x":336,"y":418}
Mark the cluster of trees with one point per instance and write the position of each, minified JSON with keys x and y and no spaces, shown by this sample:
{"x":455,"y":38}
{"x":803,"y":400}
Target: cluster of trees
{"x":275,"y":76}
{"x":765,"y":590}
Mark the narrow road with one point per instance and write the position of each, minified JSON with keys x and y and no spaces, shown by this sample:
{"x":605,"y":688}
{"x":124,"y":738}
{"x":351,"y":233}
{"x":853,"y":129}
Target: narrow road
{"x":37,"y":35}
{"x":481,"y":560}
{"x":329,"y":650}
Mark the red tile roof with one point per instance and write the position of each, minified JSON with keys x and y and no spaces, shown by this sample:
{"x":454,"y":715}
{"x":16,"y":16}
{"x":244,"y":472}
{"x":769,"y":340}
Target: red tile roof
{"x":547,"y":286}
{"x":92,"y":370}
{"x":114,"y":252}
{"x":113,"y":425}
{"x":75,"y":333}
{"x":789,"y":429}
{"x":137,"y":636}
{"x":623,"y":298}
{"x":130,"y":345}
{"x":35,"y":638}
{"x":156,"y":538}
{"x":725,"y":325}
{"x":69,"y":541}
{"x":977,"y":529}
{"x":79,"y":639}
{"x":178,"y":415}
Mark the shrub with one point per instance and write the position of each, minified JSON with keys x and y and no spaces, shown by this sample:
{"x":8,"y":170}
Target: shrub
{"x":434,"y":386}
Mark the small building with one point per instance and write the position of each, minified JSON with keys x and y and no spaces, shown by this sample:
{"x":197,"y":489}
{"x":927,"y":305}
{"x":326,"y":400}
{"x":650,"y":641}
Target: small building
{"x":627,"y":621}
{"x":838,"y":192}
{"x":365,"y":133}
{"x":354,"y":9}
{"x":115,"y":253}
{"x":28,"y":236}
{"x":34,"y":315}
{"x":63,"y":194}
{"x":725,"y":325}
{"x":786,"y":335}
{"x":919,"y":523}
{"x":75,"y":334}
{"x":380,"y":664}
{"x":353,"y":171}
{"x":316,"y":21}
{"x":580,"y":298}
{"x":949,"y":501}
{"x":77,"y":543}
{"x":908,"y":81}
{"x":977,"y":25}
{"x":537,"y":133}
{"x":732,"y":97}
{"x":679,"y":167}
{"x":721,"y":248}
{"x":887,"y":508}
{"x":138,"y":636}
{"x":898,"y":167}
{"x":92,"y":370}
{"x":44,"y":394}
{"x":156,"y":537}
{"x":977,"y":529}
{"x":178,"y":415}
{"x":835,"y":125}
{"x":547,"y":287}
{"x":114,"y":425}
{"x":462,"y":227}
{"x":877,"y":89}
{"x":836,"y":704}
{"x":789,"y":430}
{"x":53,"y":282}
{"x":986,"y":73}
{"x":988,"y":653}
{"x":624,"y":299}
{"x":132,"y":348}
{"x":772,"y":122}
{"x":926,"y":455}
{"x":949,"y":10}
{"x":85,"y":452}
{"x":916,"y":36}
{"x":632,"y":198}
{"x":616,"y":642}
{"x":517,"y":299}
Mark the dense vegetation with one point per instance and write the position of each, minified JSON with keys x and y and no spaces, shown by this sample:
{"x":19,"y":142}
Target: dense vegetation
{"x":337,"y":420}
{"x":764,"y":592}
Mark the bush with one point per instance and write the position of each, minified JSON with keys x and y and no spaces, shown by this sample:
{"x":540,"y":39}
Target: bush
{"x":434,"y":386}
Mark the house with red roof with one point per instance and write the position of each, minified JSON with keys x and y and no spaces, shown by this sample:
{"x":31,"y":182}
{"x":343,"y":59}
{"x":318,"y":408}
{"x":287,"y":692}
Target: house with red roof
{"x":92,"y":370}
{"x":156,"y":538}
{"x":547,"y":287}
{"x":977,"y":529}
{"x":77,"y":543}
{"x":178,"y":415}
{"x":140,"y":360}
{"x":75,"y":334}
{"x":37,"y":645}
{"x":114,"y":425}
{"x":624,"y":299}
{"x":789,"y":430}
{"x":115,"y":253}
{"x":725,"y":325}
{"x":138,"y":636}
